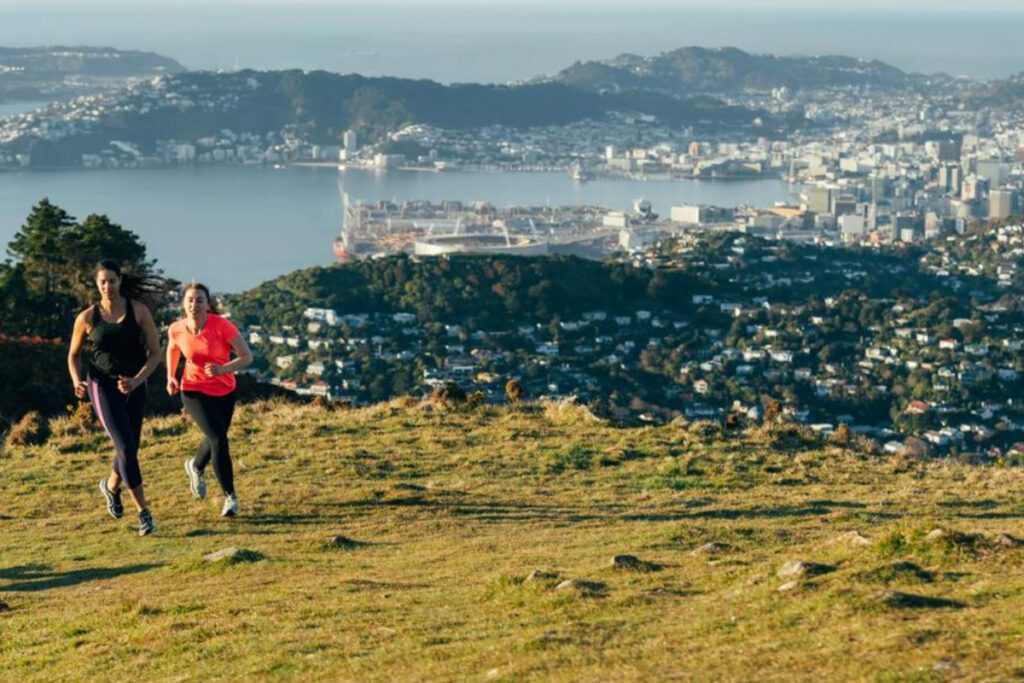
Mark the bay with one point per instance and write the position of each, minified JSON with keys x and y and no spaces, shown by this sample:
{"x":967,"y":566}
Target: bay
{"x":12,"y":108}
{"x":233,"y":227}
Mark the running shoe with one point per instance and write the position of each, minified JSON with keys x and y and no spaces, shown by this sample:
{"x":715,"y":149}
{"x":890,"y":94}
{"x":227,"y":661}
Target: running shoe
{"x":230,"y":506}
{"x":196,"y":480}
{"x":113,"y":499}
{"x":146,"y":523}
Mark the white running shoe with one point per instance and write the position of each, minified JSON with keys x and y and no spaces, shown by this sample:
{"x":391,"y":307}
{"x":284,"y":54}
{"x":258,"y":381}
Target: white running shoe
{"x":146,"y":523}
{"x":113,"y":498}
{"x":196,"y":480}
{"x":230,"y":506}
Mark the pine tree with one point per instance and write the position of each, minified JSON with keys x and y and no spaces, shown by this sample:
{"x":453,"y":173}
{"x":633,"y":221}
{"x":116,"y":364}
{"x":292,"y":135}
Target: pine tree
{"x":41,"y":248}
{"x":97,"y":238}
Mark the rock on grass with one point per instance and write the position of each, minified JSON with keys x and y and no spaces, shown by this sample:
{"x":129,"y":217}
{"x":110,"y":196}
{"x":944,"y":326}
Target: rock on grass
{"x":712,"y":549}
{"x":633,"y":563}
{"x":233,"y":556}
{"x":581,"y":586}
{"x":541,"y":576}
{"x":340,"y":542}
{"x":795,"y":568}
{"x":1007,"y":541}
{"x":851,"y":538}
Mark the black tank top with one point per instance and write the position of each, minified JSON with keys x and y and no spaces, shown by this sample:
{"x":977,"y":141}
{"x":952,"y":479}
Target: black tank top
{"x":117,"y":348}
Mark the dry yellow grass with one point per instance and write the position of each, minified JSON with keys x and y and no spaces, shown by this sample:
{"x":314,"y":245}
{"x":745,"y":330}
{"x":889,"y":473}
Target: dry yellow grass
{"x":452,"y":510}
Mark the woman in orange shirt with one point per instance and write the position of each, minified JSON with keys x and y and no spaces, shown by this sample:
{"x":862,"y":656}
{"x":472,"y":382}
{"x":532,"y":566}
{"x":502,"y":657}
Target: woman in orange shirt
{"x":207,"y":385}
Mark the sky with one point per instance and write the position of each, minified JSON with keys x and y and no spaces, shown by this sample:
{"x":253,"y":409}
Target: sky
{"x":902,"y":6}
{"x":499,"y":41}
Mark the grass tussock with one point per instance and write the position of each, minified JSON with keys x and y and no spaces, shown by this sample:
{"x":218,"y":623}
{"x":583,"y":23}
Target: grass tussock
{"x":30,"y":430}
{"x":424,"y":541}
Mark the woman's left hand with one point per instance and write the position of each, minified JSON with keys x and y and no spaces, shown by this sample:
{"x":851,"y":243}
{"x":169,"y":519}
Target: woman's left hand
{"x":127,"y":385}
{"x":214,"y":370}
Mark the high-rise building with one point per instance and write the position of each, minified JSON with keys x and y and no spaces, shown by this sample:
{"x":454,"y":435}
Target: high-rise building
{"x":949,"y":150}
{"x":879,"y":188}
{"x":843,"y":204}
{"x":993,"y":169}
{"x":1001,"y":203}
{"x":905,"y":227}
{"x":951,"y":177}
{"x":975,"y":188}
{"x":819,"y":199}
{"x":351,"y":141}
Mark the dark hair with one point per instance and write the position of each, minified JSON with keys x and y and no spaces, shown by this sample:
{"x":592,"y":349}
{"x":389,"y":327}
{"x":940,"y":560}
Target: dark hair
{"x":205,"y":290}
{"x":149,"y":289}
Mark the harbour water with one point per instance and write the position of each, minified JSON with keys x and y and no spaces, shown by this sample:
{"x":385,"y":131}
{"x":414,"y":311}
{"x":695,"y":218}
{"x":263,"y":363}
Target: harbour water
{"x":12,"y":108}
{"x":236,"y":226}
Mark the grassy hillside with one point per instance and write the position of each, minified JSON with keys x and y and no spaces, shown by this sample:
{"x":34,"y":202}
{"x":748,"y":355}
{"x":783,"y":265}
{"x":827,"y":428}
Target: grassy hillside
{"x":447,"y":515}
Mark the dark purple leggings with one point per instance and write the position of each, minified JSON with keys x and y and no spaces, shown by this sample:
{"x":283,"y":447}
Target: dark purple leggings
{"x":121,"y":417}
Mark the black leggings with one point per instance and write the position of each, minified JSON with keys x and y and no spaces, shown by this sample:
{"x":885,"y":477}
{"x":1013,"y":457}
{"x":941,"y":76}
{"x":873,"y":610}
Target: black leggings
{"x":121,"y":417}
{"x":213,"y":415}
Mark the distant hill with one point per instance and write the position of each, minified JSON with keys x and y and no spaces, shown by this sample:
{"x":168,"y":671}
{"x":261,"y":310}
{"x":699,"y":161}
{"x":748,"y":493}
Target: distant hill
{"x":86,"y":61}
{"x":727,"y":69}
{"x":32,"y":73}
{"x":1005,"y":92}
{"x":319,"y":106}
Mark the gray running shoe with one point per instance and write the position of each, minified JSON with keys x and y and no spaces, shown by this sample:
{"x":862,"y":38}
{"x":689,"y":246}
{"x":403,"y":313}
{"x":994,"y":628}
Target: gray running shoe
{"x":230,"y":506}
{"x":196,"y":480}
{"x":113,"y":499}
{"x":146,"y":523}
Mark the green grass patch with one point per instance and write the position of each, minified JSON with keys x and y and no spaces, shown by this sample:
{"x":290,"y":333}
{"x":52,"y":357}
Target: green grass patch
{"x":457,"y":530}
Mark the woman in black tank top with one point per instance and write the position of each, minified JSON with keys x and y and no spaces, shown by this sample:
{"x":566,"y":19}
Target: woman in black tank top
{"x":124,"y":349}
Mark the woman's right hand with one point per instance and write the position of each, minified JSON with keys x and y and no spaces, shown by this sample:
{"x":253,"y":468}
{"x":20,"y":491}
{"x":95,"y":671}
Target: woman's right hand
{"x":81,"y":390}
{"x":172,"y":386}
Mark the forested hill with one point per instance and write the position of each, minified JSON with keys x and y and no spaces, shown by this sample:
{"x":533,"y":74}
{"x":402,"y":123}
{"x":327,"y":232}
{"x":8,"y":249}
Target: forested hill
{"x":728,"y":69}
{"x":319,"y":106}
{"x":494,"y":292}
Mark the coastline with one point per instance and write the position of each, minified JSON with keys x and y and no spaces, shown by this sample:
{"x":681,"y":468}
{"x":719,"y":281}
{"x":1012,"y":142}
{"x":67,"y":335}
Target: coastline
{"x":482,"y":169}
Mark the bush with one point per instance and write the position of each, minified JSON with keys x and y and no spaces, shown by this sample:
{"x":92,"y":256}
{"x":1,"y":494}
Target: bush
{"x":792,"y":437}
{"x":772,"y":412}
{"x":704,"y":429}
{"x":83,"y":419}
{"x":514,"y":390}
{"x":841,"y":436}
{"x":449,"y":395}
{"x":30,"y":430}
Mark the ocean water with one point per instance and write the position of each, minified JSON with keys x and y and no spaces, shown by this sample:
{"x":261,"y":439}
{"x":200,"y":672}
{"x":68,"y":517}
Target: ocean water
{"x":484,"y":43}
{"x":12,"y":108}
{"x":236,"y":226}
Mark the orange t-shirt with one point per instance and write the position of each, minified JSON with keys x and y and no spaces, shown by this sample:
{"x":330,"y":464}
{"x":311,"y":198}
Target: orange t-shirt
{"x":212,"y":345}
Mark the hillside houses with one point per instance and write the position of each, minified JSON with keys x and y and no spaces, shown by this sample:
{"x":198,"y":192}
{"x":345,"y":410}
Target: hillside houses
{"x":917,"y":362}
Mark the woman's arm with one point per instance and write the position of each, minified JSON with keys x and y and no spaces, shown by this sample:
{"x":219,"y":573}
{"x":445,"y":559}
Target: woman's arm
{"x":173,"y":355}
{"x":152,"y":340}
{"x":75,"y":355}
{"x":242,"y":360}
